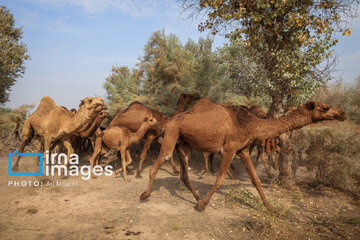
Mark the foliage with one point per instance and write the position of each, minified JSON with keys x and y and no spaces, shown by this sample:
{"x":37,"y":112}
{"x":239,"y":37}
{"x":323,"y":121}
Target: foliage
{"x":169,"y":68}
{"x":345,"y":96}
{"x":289,"y":39}
{"x":12,"y":53}
{"x":8,"y":117}
{"x":332,"y":152}
{"x":122,"y":87}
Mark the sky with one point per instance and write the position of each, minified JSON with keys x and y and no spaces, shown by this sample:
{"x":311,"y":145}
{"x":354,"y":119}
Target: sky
{"x":73,"y":44}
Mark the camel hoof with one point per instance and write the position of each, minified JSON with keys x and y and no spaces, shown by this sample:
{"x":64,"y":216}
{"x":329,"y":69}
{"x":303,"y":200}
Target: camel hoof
{"x":203,"y":172}
{"x":176,"y":171}
{"x":200,"y":206}
{"x":144,"y":196}
{"x":138,"y":175}
{"x":64,"y":177}
{"x":93,"y":177}
{"x":269,"y":207}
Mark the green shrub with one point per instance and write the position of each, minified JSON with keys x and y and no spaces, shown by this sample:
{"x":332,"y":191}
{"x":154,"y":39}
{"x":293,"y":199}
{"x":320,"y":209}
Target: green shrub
{"x":345,"y":96}
{"x":332,"y":151}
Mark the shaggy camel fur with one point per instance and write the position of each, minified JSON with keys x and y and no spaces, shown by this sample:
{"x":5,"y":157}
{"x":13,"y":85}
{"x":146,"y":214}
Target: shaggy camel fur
{"x":214,"y":128}
{"x":132,"y":119}
{"x":120,"y":139}
{"x":52,"y":123}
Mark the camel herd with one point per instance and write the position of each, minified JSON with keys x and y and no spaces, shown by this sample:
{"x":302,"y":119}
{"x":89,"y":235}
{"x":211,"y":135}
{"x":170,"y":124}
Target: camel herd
{"x":212,"y":128}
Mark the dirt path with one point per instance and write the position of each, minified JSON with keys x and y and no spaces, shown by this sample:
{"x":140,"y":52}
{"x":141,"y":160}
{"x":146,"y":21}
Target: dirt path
{"x":109,"y":208}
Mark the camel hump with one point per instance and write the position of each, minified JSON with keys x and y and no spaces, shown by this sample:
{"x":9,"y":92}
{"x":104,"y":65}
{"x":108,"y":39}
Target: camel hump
{"x":47,"y":100}
{"x":46,"y":104}
{"x":134,"y":106}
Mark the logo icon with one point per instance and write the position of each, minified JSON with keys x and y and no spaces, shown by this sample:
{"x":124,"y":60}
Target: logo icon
{"x":40,"y":173}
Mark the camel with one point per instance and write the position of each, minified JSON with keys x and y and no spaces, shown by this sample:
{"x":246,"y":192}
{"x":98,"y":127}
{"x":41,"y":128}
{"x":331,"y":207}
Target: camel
{"x":132,"y":119}
{"x":214,"y":128}
{"x":268,"y":144}
{"x":53,"y":124}
{"x":120,"y":139}
{"x":87,"y":133}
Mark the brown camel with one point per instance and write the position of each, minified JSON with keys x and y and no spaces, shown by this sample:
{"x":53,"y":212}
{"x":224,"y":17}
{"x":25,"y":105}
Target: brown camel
{"x":133,"y":117}
{"x":214,"y":128}
{"x":260,"y":144}
{"x":120,"y":139}
{"x":52,"y":123}
{"x":87,"y":133}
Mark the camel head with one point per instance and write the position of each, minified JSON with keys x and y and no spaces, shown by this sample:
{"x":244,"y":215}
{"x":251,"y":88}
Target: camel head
{"x":103,"y":115}
{"x":187,"y":98}
{"x":95,"y":104}
{"x":321,"y":111}
{"x":150,"y":121}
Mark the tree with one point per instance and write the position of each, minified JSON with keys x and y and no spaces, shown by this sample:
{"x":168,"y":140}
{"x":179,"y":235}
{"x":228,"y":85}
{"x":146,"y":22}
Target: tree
{"x":122,"y":87}
{"x":290,"y":39}
{"x":169,"y":68}
{"x":12,"y":53}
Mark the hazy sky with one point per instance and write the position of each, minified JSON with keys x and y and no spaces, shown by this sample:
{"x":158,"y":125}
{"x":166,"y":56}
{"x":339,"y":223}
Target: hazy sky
{"x":74,"y":43}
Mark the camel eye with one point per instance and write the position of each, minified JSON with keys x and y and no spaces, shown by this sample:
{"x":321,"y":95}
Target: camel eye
{"x":325,"y":109}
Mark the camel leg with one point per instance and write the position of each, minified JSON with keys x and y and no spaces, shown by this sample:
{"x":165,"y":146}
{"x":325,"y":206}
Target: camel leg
{"x":128,"y":161}
{"x":26,"y":137}
{"x":231,"y":176}
{"x":245,"y":157}
{"x":211,"y":158}
{"x":175,"y":171}
{"x":206,"y":156}
{"x":184,"y":151}
{"x":123,"y":162}
{"x":167,"y":148}
{"x":228,"y":156}
{"x":128,"y":157}
{"x":69,"y":150}
{"x":261,"y":155}
{"x":150,"y":138}
{"x":96,"y":154}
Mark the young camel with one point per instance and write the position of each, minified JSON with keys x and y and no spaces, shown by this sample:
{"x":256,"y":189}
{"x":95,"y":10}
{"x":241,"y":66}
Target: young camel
{"x":133,"y":116}
{"x":214,"y":128}
{"x":52,"y":124}
{"x":120,"y":139}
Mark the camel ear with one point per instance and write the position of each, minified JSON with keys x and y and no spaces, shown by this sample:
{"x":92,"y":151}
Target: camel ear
{"x":310,"y":105}
{"x":182,"y":95}
{"x":145,"y":119}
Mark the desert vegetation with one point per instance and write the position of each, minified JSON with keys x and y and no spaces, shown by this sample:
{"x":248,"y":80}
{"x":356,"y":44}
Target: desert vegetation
{"x":270,"y":85}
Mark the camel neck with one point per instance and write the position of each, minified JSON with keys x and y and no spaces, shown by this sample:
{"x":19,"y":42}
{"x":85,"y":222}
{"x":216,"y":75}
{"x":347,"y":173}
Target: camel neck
{"x":80,"y":119}
{"x":136,"y":136}
{"x":88,"y":129}
{"x":273,"y":127}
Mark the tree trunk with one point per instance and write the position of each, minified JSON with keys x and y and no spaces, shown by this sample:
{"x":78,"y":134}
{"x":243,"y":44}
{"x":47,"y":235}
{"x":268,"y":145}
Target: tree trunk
{"x":286,"y":178}
{"x":285,"y":164}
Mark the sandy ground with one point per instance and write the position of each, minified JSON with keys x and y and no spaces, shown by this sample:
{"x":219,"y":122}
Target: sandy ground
{"x":109,"y":208}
